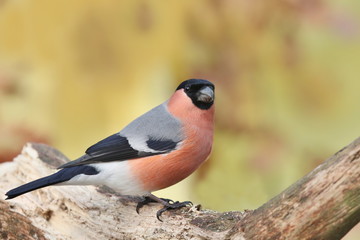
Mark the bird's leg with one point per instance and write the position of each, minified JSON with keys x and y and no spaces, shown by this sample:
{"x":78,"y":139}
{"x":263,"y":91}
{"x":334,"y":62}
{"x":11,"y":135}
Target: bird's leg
{"x":168,"y":204}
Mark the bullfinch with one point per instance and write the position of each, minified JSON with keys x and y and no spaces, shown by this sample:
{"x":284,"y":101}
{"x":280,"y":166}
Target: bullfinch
{"x":156,"y":150}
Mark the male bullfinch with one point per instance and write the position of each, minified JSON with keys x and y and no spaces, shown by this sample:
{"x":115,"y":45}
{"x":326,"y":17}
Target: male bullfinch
{"x":156,"y":150}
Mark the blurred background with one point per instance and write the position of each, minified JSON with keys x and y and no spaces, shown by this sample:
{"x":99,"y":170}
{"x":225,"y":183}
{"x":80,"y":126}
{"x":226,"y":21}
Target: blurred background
{"x":74,"y":72}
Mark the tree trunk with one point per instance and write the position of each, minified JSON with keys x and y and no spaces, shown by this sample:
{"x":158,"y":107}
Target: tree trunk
{"x":325,"y":204}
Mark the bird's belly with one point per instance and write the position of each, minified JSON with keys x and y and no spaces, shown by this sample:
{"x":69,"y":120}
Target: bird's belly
{"x":116,"y":175}
{"x":161,"y":171}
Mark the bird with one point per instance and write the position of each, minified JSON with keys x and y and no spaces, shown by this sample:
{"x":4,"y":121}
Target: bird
{"x":156,"y":150}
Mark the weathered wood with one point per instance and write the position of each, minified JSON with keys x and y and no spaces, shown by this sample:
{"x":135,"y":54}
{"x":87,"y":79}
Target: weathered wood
{"x":16,"y":226}
{"x":325,"y":204}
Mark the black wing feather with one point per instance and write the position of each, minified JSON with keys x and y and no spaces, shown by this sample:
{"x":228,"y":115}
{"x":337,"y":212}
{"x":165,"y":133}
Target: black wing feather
{"x":115,"y":145}
{"x":161,"y":145}
{"x":117,"y":148}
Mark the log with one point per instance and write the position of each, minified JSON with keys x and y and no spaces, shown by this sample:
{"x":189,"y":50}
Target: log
{"x":325,"y":204}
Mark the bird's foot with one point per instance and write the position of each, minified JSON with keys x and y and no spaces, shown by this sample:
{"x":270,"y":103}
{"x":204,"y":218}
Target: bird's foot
{"x":169,"y":206}
{"x":148,"y":200}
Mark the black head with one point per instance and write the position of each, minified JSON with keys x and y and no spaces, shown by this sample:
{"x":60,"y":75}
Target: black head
{"x":200,"y":91}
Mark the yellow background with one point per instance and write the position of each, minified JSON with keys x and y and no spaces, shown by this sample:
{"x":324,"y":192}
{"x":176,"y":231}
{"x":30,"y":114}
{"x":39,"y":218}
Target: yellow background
{"x":287,"y":86}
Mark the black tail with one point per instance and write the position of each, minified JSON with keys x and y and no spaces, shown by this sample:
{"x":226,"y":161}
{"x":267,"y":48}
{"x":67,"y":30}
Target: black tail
{"x":58,"y":177}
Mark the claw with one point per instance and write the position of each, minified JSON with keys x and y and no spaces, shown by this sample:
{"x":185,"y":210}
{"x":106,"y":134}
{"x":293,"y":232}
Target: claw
{"x":158,"y":213}
{"x":148,"y":200}
{"x":167,"y":200}
{"x":173,"y":205}
{"x":143,"y":203}
{"x":168,"y":204}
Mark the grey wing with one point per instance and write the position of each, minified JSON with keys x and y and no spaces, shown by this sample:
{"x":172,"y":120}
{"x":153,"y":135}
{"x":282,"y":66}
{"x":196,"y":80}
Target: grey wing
{"x":155,"y":132}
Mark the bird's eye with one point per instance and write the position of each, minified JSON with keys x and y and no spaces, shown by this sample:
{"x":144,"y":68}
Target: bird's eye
{"x":187,"y":88}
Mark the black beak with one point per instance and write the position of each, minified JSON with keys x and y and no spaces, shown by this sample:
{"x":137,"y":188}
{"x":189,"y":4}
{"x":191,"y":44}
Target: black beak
{"x":206,"y":94}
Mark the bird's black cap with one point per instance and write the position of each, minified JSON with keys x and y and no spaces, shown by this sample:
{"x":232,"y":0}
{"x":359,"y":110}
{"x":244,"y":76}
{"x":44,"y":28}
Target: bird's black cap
{"x":200,"y":82}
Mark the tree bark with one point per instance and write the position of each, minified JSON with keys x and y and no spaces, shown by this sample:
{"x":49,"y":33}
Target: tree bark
{"x":325,"y":204}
